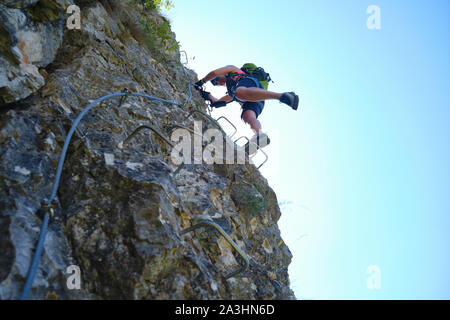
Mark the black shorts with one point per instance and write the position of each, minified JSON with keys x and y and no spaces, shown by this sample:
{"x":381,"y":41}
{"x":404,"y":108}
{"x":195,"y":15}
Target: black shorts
{"x":258,"y":106}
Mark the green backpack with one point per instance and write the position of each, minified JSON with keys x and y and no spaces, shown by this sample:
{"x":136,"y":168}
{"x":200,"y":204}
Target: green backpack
{"x":257,"y":73}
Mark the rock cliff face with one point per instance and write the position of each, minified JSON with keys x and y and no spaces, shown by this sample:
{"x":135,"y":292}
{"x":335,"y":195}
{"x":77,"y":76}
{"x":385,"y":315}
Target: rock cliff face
{"x":121,"y":207}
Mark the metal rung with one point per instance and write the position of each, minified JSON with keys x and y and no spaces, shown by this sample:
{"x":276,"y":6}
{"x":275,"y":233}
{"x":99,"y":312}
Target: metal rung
{"x":259,"y":149}
{"x":223,"y":117}
{"x":183,"y":127}
{"x":214,"y":121}
{"x":267,"y":158}
{"x":158,"y":133}
{"x":189,"y":84}
{"x":175,"y":125}
{"x":229,"y":240}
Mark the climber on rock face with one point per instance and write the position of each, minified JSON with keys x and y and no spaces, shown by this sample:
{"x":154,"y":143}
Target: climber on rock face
{"x":248,"y":86}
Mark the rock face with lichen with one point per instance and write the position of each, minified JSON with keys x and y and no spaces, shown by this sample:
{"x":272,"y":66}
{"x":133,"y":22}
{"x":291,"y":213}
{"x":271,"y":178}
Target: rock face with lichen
{"x":121,"y":206}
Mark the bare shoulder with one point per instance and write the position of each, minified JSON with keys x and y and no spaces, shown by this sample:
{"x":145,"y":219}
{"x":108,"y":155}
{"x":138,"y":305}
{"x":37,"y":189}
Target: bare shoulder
{"x":224,"y":70}
{"x":232,"y":68}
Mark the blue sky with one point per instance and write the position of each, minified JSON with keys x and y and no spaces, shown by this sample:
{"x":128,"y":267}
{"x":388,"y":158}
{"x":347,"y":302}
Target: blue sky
{"x":362,"y":168}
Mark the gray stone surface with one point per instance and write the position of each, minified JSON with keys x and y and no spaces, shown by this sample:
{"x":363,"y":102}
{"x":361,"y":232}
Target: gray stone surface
{"x":30,"y":36}
{"x":121,"y":210}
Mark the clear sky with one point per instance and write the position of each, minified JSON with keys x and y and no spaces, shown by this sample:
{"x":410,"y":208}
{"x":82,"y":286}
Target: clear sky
{"x":362,"y":168}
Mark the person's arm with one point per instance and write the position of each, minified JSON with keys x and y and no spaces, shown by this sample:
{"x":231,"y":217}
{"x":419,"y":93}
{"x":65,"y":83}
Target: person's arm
{"x":220,"y":72}
{"x":208,"y":96}
{"x":219,"y":103}
{"x":225,"y":98}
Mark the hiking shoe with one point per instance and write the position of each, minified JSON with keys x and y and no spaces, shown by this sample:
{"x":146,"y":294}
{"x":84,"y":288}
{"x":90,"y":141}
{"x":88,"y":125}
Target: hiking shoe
{"x":257,"y":141}
{"x":261,"y":140}
{"x":291,"y":99}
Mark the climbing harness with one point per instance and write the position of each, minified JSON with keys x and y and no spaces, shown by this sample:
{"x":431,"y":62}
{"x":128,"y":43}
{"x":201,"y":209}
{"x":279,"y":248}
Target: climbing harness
{"x":232,"y":81}
{"x":205,"y":223}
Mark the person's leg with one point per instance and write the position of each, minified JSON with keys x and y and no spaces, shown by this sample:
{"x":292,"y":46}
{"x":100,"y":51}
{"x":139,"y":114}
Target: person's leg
{"x":255,"y":94}
{"x":249,"y":116}
{"x":251,"y":111}
{"x":247,"y":90}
